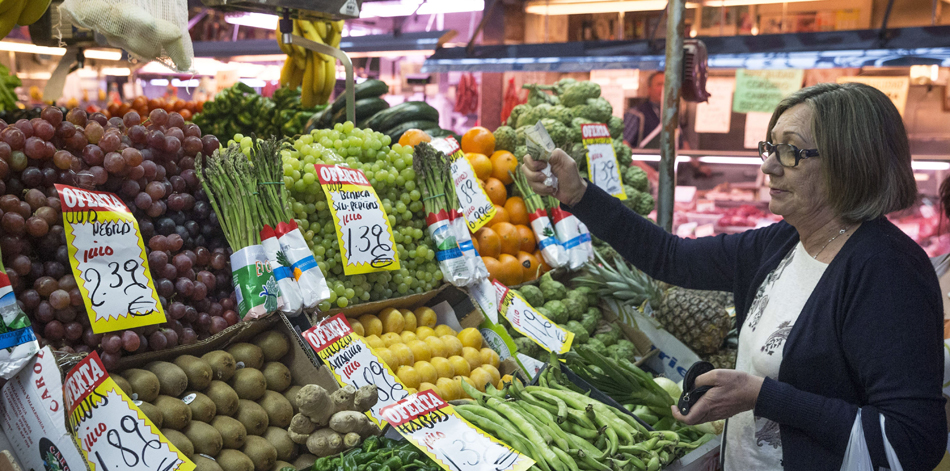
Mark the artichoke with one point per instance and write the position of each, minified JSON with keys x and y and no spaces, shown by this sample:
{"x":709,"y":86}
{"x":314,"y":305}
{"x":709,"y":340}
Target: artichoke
{"x":532,"y":294}
{"x":636,"y":177}
{"x":562,"y":114}
{"x":534,"y":115}
{"x":579,"y":93}
{"x":516,"y":112}
{"x":615,"y":125}
{"x":580,"y":333}
{"x":505,"y":138}
{"x":597,"y":110}
{"x":623,"y":152}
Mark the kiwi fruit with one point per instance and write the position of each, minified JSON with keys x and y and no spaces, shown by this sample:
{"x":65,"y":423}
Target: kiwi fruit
{"x":249,"y":383}
{"x":233,"y":433}
{"x":182,"y":442}
{"x":198,"y":371}
{"x":279,"y":465}
{"x":153,"y":413}
{"x":144,"y":384}
{"x":123,"y":384}
{"x":222,"y":364}
{"x":206,"y":438}
{"x":278,"y":408}
{"x":224,"y":398}
{"x":291,"y":395}
{"x":286,"y":448}
{"x":202,"y":407}
{"x":206,"y":464}
{"x":273,"y":344}
{"x":253,"y":416}
{"x":305,"y":460}
{"x":172,"y":380}
{"x":176,"y":414}
{"x":277,"y":376}
{"x":251,"y":355}
{"x":234,"y":460}
{"x":261,"y":453}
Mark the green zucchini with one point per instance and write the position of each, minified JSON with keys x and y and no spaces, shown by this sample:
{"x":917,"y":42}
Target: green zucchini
{"x":365,"y":109}
{"x":371,"y":88}
{"x":397,"y":132}
{"x":401,"y":113}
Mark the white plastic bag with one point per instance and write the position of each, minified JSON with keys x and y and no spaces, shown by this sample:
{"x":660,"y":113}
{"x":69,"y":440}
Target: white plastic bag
{"x":147,"y":29}
{"x":857,"y":457}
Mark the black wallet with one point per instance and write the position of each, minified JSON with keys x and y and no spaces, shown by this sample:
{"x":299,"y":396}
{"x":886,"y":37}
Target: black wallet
{"x":691,"y":393}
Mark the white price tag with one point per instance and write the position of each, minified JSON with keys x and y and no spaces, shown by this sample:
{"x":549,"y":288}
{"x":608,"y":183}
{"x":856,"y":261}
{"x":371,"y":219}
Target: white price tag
{"x":532,"y":324}
{"x":487,"y":299}
{"x":362,"y":227}
{"x":354,"y":363}
{"x":111,"y":431}
{"x":474,"y":202}
{"x":602,"y":167}
{"x":451,"y":441}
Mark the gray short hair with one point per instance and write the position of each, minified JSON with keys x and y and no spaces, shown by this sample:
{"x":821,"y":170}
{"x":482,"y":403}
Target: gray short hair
{"x":864,"y":153}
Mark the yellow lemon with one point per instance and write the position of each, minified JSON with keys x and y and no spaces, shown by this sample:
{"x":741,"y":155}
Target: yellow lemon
{"x":409,"y":320}
{"x":408,"y":336}
{"x":443,"y":329}
{"x":480,"y":378}
{"x":371,"y":324}
{"x":429,"y":386}
{"x":443,"y":367}
{"x":425,"y":317}
{"x":437,"y":346}
{"x":388,"y":357}
{"x":357,"y":327}
{"x":450,"y":389}
{"x":424,"y":332}
{"x":453,"y":345}
{"x":471,"y":337}
{"x":495,"y":374}
{"x":409,"y":376}
{"x":374,"y":342}
{"x":392,"y":320}
{"x":403,"y":354}
{"x":411,"y":390}
{"x":472,"y":356}
{"x":468,"y":380}
{"x":426,"y":371}
{"x":420,"y":350}
{"x":506,"y":379}
{"x":391,"y":338}
{"x":489,"y":357}
{"x":460,"y":366}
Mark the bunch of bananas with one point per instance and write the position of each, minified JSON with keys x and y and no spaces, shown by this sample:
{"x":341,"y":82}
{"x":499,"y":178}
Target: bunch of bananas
{"x":20,"y":12}
{"x":314,"y":72}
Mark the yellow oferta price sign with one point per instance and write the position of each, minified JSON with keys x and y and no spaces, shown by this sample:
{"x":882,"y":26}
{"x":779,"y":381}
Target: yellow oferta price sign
{"x":532,"y":324}
{"x":476,"y":206}
{"x":362,"y":227}
{"x":602,"y":167}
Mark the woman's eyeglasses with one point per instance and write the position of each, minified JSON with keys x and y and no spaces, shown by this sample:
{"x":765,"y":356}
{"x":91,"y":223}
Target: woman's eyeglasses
{"x":788,"y":155}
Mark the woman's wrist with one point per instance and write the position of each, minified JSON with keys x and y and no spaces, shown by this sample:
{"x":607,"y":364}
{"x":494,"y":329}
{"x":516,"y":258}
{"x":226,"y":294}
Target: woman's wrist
{"x":753,"y":387}
{"x":577,"y":195}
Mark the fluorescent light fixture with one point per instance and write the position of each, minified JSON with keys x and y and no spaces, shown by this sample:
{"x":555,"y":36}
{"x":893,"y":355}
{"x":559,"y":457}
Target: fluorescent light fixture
{"x":924,"y":74}
{"x":656,"y":158}
{"x":391,"y":8}
{"x":391,"y":53}
{"x":577,"y":7}
{"x":31,"y":48}
{"x":103,"y":54}
{"x":731,"y":160}
{"x":925,"y":165}
{"x":184,"y":83}
{"x":117,"y":71}
{"x":35,"y":75}
{"x":253,"y":83}
{"x":254,"y":20}
{"x":158,"y":82}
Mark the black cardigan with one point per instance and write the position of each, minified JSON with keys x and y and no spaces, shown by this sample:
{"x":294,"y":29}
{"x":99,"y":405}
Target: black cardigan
{"x":870,"y":335}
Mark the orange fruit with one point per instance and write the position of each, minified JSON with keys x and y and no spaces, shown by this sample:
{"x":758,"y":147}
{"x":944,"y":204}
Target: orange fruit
{"x":517,"y":211}
{"x":530,"y":267}
{"x":481,"y":164}
{"x":478,"y":140}
{"x":414,"y":136}
{"x":503,"y":162}
{"x":511,"y":271}
{"x":510,"y":238}
{"x":496,"y":191}
{"x":500,"y":216}
{"x":494,"y":268}
{"x":527,"y":238}
{"x":488,"y":242}
{"x":543,"y":263}
{"x":475,"y":243}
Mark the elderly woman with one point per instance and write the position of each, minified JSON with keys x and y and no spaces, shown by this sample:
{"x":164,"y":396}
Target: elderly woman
{"x":839,"y":312}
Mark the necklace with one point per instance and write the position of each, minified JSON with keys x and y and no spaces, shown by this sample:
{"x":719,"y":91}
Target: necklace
{"x":842,"y":231}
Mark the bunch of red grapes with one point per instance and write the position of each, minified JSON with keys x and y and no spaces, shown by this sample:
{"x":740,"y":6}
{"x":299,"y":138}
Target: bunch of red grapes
{"x":149,"y":163}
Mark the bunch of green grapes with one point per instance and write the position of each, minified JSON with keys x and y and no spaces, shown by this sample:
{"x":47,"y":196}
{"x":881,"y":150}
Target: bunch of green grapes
{"x":389,"y":170}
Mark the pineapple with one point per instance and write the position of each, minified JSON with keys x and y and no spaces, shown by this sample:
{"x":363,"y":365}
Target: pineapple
{"x":697,"y":318}
{"x":725,"y":358}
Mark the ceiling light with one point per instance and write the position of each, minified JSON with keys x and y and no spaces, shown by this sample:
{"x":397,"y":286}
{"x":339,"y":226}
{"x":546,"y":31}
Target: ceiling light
{"x":254,"y":20}
{"x":117,"y":71}
{"x":731,"y":160}
{"x":103,"y":54}
{"x":656,"y":158}
{"x":408,"y":7}
{"x":924,"y":165}
{"x":158,"y":82}
{"x":35,"y":75}
{"x":576,"y":7}
{"x":391,"y":53}
{"x":31,"y":48}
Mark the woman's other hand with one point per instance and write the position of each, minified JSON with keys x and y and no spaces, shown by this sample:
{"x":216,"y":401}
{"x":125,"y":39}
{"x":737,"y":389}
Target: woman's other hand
{"x":732,"y":392}
{"x":570,"y":185}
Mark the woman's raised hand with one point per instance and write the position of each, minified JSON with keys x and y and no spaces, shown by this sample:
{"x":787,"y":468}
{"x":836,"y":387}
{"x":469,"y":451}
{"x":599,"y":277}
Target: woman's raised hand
{"x":571,"y":186}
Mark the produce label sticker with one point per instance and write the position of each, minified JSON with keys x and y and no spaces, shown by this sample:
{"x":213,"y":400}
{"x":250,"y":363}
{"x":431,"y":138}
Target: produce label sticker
{"x":108,"y":259}
{"x":366,"y":239}
{"x":602,"y":167}
{"x":354,"y":363}
{"x":532,"y":324}
{"x":112,"y":433}
{"x":476,"y":206}
{"x":454,"y":443}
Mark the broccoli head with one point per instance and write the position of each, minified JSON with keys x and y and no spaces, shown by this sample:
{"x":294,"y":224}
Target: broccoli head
{"x":597,"y":110}
{"x":538,"y":97}
{"x":516,"y":112}
{"x":552,"y":289}
{"x":505,"y":138}
{"x":580,"y":333}
{"x":579,"y":93}
{"x":534,"y":115}
{"x":574,"y":307}
{"x":557,"y":131}
{"x":597,"y":345}
{"x":558,"y":312}
{"x":646,"y":204}
{"x":580,"y":294}
{"x":615,"y":125}
{"x":532,"y":294}
{"x":636,"y":177}
{"x":562,"y":114}
{"x":623,"y":152}
{"x":527,"y":346}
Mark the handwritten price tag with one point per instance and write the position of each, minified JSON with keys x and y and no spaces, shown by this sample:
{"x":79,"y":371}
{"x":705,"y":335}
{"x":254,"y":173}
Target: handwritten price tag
{"x":476,"y":206}
{"x":354,"y":363}
{"x":366,"y":239}
{"x":108,"y":260}
{"x":454,"y":443}
{"x":602,"y":167}
{"x":532,"y":324}
{"x":111,"y":431}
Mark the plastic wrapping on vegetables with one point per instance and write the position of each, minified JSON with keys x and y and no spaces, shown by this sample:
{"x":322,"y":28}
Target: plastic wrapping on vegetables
{"x":313,"y":286}
{"x":475,"y":263}
{"x":289,"y":291}
{"x":255,"y":287}
{"x":552,"y":251}
{"x":17,"y":342}
{"x":567,"y":228}
{"x":455,"y":268}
